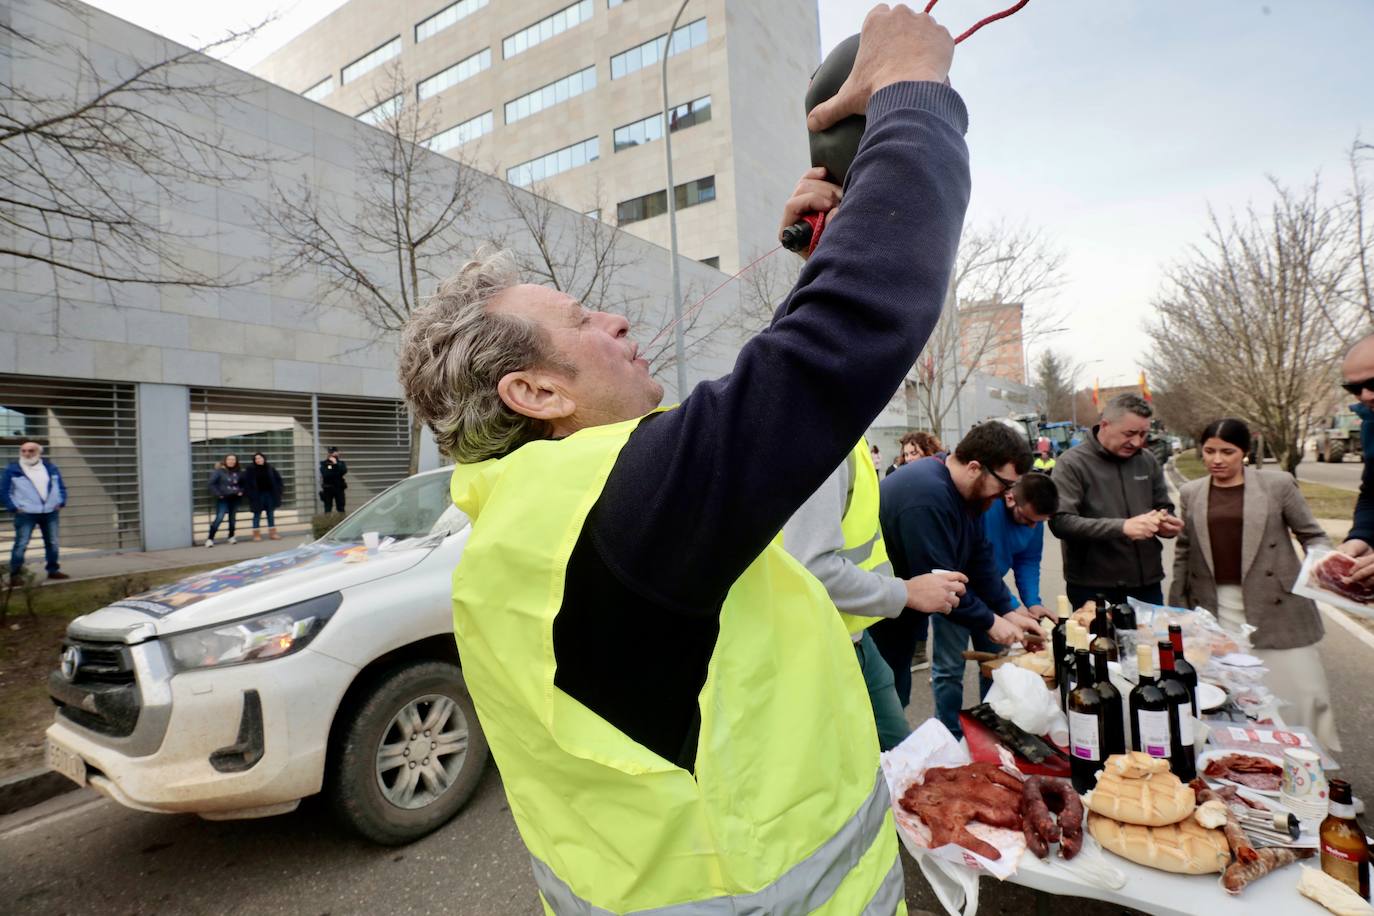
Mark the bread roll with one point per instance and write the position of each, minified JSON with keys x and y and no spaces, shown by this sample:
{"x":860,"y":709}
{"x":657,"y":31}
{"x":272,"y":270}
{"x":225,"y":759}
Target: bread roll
{"x":1151,"y":801}
{"x":1186,"y":848}
{"x":1332,"y":894}
{"x":1134,"y":764}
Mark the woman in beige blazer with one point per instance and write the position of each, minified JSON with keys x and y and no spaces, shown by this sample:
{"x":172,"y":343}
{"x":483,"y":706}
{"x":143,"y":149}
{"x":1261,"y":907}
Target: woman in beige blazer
{"x":1236,"y":557}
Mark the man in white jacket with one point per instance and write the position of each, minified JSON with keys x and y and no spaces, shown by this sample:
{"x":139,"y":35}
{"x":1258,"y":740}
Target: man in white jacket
{"x":34,"y":491}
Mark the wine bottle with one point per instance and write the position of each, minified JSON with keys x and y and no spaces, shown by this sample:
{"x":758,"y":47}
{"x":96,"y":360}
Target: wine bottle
{"x":1104,"y":635}
{"x":1183,"y":669}
{"x":1085,"y":726}
{"x":1058,"y":645}
{"x":1345,"y":856}
{"x":1149,"y":710}
{"x":1127,"y":636}
{"x":1181,"y":762}
{"x":1113,"y":722}
{"x":1067,"y":662}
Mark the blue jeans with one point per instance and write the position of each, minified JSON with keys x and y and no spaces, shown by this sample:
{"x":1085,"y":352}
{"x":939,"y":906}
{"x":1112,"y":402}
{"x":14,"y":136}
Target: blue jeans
{"x":271,"y":516}
{"x":882,"y":694}
{"x":947,"y":668}
{"x":225,"y":505}
{"x":24,"y":523}
{"x":1080,"y":595}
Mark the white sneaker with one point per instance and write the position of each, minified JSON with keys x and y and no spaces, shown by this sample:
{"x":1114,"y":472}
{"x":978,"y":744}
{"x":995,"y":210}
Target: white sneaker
{"x":233,"y":540}
{"x":209,"y":542}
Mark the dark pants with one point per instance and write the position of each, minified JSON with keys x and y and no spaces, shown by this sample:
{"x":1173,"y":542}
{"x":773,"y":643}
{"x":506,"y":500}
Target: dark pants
{"x":1082,"y":594}
{"x":226,"y":505}
{"x":882,"y":696}
{"x":24,"y":523}
{"x":896,"y":639}
{"x":271,"y":516}
{"x":333,"y":498}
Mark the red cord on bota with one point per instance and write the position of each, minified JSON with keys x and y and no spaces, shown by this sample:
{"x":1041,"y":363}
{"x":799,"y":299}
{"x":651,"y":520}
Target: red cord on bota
{"x":981,"y":22}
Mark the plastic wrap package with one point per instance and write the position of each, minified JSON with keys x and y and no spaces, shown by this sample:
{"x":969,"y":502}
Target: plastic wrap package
{"x":1221,"y":656}
{"x":1022,"y":697}
{"x":1322,"y":579}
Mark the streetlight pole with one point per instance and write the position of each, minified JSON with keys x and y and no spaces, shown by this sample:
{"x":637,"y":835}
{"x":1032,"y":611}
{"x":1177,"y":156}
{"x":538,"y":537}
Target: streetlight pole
{"x":679,"y":344}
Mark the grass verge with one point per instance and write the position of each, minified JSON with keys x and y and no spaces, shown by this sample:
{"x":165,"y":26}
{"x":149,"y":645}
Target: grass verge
{"x":1326,"y":502}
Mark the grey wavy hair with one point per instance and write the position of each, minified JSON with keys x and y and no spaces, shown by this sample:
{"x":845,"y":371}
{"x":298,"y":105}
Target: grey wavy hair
{"x":454,"y":351}
{"x":1128,"y":402}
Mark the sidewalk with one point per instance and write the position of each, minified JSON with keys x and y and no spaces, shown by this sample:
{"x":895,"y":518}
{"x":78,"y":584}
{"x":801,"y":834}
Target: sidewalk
{"x":137,"y":561}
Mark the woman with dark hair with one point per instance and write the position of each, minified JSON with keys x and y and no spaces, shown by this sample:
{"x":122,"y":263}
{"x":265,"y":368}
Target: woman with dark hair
{"x":1235,"y":557}
{"x":226,"y":486}
{"x":909,"y":451}
{"x":263,"y":487}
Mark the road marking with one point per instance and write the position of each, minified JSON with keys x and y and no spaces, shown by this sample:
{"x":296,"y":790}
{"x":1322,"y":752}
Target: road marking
{"x":49,"y":819}
{"x":1342,"y":620}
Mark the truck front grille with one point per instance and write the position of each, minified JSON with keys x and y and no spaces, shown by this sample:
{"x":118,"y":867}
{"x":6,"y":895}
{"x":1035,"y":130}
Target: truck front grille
{"x":96,"y":687}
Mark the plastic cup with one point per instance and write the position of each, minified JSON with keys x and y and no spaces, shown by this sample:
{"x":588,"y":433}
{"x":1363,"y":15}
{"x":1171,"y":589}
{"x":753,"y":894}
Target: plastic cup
{"x":371,"y":539}
{"x":1304,"y":780}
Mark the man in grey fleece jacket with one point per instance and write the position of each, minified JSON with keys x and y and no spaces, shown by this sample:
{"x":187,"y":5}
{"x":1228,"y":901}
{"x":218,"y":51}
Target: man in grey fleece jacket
{"x":813,"y":537}
{"x":1113,"y":508}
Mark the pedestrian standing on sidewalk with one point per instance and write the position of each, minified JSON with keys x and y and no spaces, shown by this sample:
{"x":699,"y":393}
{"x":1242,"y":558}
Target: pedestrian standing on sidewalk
{"x":262,"y":485}
{"x":333,"y":470}
{"x":1235,"y":555}
{"x":34,"y":491}
{"x":226,"y":486}
{"x":1113,"y":508}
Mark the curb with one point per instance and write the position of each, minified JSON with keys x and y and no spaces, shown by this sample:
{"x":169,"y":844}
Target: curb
{"x":27,"y":789}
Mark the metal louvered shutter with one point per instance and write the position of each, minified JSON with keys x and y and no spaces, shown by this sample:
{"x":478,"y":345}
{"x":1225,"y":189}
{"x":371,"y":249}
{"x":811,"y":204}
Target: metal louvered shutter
{"x":90,"y":431}
{"x":373,"y":439}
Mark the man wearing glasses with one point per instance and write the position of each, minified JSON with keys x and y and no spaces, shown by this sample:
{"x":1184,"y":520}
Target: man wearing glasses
{"x":1358,"y":374}
{"x":1113,"y":508}
{"x":931,"y":515}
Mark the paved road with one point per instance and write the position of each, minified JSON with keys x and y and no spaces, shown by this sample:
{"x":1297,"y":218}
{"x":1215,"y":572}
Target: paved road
{"x":82,"y":854}
{"x":1345,"y":474}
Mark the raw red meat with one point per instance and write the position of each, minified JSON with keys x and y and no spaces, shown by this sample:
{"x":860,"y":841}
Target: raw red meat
{"x":1331,"y":571}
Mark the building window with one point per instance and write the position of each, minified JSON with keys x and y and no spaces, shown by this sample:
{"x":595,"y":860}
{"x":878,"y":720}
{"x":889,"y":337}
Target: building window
{"x":372,"y":60}
{"x":687,"y":194}
{"x":461,"y":133}
{"x":554,"y":163}
{"x":466,"y":68}
{"x":382,"y":112}
{"x":713,"y":261}
{"x":685,"y":38}
{"x":428,"y":28}
{"x":546,"y":28}
{"x":651,"y":128}
{"x":551,"y":95}
{"x":320,"y":89}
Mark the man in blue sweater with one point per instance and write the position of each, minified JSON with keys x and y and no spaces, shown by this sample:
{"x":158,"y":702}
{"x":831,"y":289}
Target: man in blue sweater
{"x":1016,"y":530}
{"x":931,"y":514}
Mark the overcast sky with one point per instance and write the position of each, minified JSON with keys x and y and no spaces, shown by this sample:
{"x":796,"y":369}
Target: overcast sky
{"x":1110,"y":124}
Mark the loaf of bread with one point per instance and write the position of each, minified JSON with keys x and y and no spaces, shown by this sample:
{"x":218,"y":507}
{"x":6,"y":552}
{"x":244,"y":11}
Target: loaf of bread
{"x":1186,"y":848}
{"x":1149,"y":801}
{"x":1332,"y":894}
{"x":1134,"y":764}
{"x":1039,"y":662}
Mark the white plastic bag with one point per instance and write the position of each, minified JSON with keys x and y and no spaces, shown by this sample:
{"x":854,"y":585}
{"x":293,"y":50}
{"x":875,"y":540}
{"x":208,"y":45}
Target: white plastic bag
{"x":1021,"y":696}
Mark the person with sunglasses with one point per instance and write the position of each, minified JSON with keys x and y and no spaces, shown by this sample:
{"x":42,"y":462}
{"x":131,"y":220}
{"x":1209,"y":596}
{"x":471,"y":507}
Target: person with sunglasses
{"x":931,"y":514}
{"x":1357,"y":372}
{"x":1114,"y":507}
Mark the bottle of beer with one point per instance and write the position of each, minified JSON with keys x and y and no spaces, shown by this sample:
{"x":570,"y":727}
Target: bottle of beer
{"x":1113,"y":722}
{"x":1058,"y":646}
{"x":1182,"y":761}
{"x":1183,"y":669}
{"x":1150,"y":731}
{"x":1104,"y":635}
{"x":1085,"y":726}
{"x":1345,"y":856}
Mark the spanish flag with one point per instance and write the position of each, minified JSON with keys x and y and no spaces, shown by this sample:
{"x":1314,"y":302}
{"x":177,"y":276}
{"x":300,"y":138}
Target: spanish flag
{"x":1145,"y":387}
{"x":1097,"y":400}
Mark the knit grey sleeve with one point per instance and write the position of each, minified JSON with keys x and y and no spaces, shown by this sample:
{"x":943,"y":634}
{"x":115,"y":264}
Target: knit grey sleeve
{"x":814,"y":538}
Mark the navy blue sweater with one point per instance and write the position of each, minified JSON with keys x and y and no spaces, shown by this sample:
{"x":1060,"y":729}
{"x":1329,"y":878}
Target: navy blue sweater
{"x":928,"y":526}
{"x":693,"y":497}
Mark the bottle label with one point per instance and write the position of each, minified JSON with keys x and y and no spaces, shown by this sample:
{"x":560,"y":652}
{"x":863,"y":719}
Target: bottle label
{"x":1185,"y":726}
{"x":1154,"y":733}
{"x":1344,"y":855}
{"x":1340,"y":865}
{"x":1084,"y":740}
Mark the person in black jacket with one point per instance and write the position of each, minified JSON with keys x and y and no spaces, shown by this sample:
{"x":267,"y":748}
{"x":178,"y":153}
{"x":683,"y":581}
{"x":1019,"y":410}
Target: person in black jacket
{"x":333,"y":470}
{"x":263,"y":487}
{"x":226,"y":485}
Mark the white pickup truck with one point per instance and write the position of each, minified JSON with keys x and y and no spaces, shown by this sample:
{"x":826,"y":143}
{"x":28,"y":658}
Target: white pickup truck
{"x":332,"y":666}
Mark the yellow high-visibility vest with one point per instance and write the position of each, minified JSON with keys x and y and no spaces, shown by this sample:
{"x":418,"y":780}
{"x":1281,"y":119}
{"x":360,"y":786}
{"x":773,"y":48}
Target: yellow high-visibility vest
{"x":863,"y":534}
{"x":1043,"y":464}
{"x":787,"y":811}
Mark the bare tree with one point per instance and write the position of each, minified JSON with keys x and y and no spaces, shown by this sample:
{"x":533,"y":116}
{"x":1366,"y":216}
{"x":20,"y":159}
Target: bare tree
{"x":763,"y":287}
{"x":87,"y":167}
{"x":996,"y":265}
{"x":385,"y":248}
{"x":1356,"y":208}
{"x":1243,"y":323}
{"x":1055,"y":376}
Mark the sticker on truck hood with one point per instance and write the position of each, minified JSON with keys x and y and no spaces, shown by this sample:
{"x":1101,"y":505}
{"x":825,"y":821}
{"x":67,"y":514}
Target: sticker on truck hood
{"x":164,"y":600}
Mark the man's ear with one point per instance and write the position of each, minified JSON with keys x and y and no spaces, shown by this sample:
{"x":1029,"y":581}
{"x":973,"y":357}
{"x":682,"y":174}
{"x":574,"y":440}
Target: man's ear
{"x":535,"y":394}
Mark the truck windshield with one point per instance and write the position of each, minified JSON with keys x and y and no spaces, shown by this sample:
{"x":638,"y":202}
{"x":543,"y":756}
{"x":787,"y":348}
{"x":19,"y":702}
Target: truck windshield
{"x":414,"y":508}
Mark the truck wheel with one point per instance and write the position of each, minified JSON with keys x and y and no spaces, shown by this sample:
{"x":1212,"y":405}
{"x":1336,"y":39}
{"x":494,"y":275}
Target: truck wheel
{"x":410,"y":755}
{"x":1336,"y":453}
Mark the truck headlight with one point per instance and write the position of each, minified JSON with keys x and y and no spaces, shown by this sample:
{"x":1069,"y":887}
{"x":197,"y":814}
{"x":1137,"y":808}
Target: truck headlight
{"x":253,"y":639}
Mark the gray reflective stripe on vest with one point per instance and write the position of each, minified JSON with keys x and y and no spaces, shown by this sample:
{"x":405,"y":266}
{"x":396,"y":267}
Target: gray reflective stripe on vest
{"x":805,"y":887}
{"x":857,"y":555}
